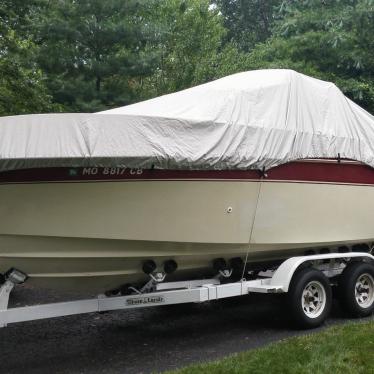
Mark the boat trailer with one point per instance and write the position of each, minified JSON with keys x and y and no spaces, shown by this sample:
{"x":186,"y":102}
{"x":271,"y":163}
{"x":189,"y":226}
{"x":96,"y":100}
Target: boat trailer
{"x":168,"y":293}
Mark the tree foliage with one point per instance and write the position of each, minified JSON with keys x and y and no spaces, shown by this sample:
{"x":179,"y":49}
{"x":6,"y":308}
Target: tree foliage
{"x":22,"y":83}
{"x":248,"y":22}
{"x":92,"y":50}
{"x":189,"y":36}
{"x":90,"y":55}
{"x":329,"y":39}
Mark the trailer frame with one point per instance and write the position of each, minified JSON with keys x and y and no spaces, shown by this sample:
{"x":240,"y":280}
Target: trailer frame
{"x":169,"y":293}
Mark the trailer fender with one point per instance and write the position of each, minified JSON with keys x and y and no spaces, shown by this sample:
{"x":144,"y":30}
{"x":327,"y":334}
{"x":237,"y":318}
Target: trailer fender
{"x":284,"y":274}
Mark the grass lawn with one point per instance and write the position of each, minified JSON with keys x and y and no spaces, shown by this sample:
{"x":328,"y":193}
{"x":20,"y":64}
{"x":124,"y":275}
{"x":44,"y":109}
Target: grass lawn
{"x":344,"y":349}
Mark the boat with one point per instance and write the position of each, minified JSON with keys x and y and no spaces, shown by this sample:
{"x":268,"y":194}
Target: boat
{"x":251,"y":168}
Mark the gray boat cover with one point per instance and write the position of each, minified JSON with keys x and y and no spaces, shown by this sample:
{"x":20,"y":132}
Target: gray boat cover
{"x":251,"y":120}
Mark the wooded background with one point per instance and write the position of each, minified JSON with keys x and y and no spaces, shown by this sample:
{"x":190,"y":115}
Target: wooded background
{"x":91,"y":55}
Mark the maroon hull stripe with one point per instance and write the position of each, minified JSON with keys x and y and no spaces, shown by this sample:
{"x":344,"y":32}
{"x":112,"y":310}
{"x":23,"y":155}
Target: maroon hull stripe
{"x":327,"y":172}
{"x":319,"y":171}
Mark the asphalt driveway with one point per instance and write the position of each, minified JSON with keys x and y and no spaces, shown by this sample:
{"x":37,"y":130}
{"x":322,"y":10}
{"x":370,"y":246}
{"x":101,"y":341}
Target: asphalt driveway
{"x":142,"y":341}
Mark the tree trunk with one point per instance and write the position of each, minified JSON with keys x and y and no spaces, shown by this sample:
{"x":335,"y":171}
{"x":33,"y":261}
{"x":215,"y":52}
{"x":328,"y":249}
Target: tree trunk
{"x":98,"y":84}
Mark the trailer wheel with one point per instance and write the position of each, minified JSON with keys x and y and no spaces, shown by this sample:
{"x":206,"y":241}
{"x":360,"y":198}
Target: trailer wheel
{"x":356,"y":289}
{"x":309,"y":298}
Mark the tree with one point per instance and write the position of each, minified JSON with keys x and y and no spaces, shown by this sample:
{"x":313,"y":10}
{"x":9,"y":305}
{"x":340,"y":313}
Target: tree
{"x":189,"y":40}
{"x":248,"y":21}
{"x":329,"y":39}
{"x":93,"y":50}
{"x":22,"y":84}
{"x":90,"y":55}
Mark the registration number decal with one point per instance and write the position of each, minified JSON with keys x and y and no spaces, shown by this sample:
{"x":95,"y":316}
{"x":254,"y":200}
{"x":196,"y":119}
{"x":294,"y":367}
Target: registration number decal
{"x":92,"y":172}
{"x":111,"y":171}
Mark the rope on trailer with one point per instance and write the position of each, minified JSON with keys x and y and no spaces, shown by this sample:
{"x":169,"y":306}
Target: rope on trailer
{"x":253,"y":224}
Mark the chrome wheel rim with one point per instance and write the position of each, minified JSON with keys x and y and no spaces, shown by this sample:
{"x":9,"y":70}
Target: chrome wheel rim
{"x":364,"y":290}
{"x":313,"y":299}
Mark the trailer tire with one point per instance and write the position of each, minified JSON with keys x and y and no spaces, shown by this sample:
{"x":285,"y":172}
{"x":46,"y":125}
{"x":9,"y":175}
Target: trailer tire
{"x":309,"y":298}
{"x":356,"y":289}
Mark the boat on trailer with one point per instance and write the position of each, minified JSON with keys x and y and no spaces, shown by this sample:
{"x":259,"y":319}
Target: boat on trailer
{"x":220,"y":181}
{"x":93,"y":231}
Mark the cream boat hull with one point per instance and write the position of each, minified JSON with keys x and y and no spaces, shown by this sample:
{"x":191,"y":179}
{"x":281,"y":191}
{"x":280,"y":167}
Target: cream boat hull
{"x":95,"y":235}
